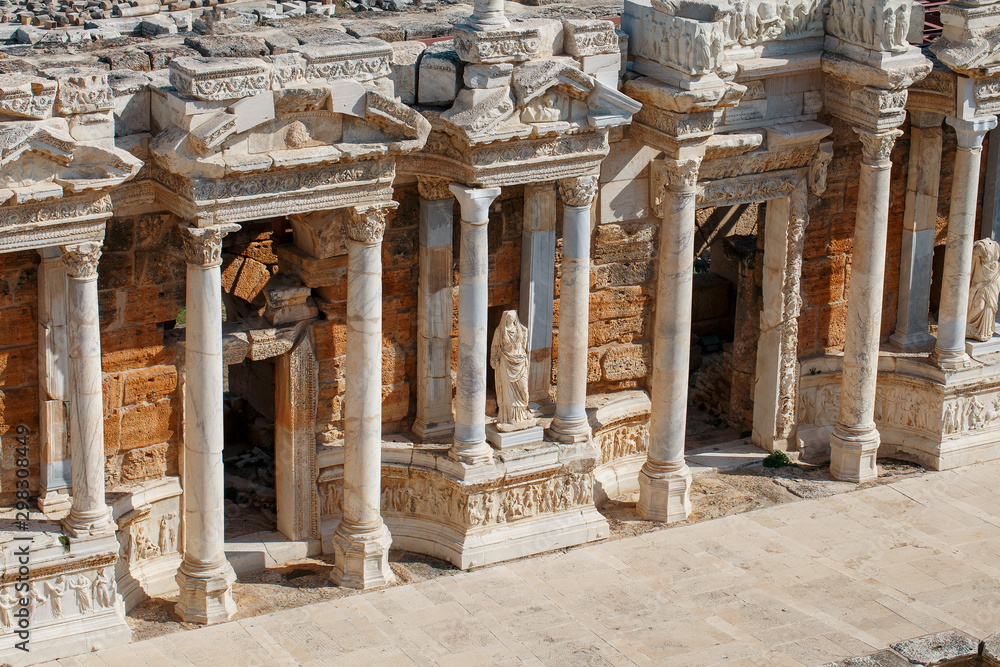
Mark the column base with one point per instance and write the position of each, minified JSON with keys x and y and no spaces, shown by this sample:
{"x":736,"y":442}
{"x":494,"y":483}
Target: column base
{"x":853,"y":453}
{"x":471,"y":454}
{"x":90,"y":524}
{"x":664,"y":495}
{"x":361,"y":559}
{"x":910,"y":341}
{"x":206,"y":598}
{"x":570,"y":430}
{"x":951,"y":361}
{"x":433,"y":430}
{"x":55,"y":503}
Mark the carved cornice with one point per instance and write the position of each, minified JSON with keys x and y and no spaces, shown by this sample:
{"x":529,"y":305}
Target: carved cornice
{"x":578,"y":191}
{"x":203,"y":245}
{"x":433,"y":189}
{"x":366,"y":224}
{"x":877,"y":147}
{"x":81,"y":260}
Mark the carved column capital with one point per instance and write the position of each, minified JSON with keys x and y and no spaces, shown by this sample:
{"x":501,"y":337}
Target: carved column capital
{"x":366,"y":224}
{"x":578,"y":191}
{"x":971,"y":132}
{"x":876,"y":147}
{"x":680,"y":175}
{"x":433,"y":189}
{"x":81,"y":260}
{"x":203,"y":245}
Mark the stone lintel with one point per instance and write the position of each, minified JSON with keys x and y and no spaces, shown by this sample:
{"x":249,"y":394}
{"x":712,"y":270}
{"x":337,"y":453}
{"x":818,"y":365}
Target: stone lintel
{"x":219,"y":78}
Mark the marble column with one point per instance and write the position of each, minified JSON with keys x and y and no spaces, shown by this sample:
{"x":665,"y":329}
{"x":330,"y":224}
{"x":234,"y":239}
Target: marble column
{"x":665,"y":480}
{"x":538,"y":275}
{"x":435,"y":308}
{"x":949,"y":352}
{"x":991,"y":194}
{"x":361,"y":543}
{"x":570,"y":422}
{"x":488,"y":15}
{"x":919,"y":227}
{"x":89,"y":513}
{"x":855,"y":440}
{"x":55,"y":465}
{"x":205,"y":577}
{"x":470,"y":445}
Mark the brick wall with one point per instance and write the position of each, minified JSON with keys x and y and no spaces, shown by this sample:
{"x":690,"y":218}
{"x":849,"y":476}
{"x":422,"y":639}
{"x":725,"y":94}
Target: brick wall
{"x":18,"y":366}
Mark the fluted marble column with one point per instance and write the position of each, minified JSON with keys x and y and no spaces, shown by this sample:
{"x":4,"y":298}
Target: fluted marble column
{"x":665,"y":480}
{"x":949,"y":351}
{"x":89,"y":513}
{"x":855,"y":440}
{"x":570,"y":422}
{"x":435,"y":309}
{"x":919,"y":227}
{"x":205,"y":577}
{"x":361,"y":543}
{"x":470,"y":445}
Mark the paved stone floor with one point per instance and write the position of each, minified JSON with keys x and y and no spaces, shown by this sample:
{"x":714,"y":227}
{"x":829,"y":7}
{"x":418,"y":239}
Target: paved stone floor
{"x":797,"y":584}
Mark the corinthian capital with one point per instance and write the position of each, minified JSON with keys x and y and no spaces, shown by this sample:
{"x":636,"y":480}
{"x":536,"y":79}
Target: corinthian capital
{"x":203,"y":245}
{"x":876,"y":147}
{"x":81,"y":260}
{"x":366,"y":224}
{"x":578,"y":191}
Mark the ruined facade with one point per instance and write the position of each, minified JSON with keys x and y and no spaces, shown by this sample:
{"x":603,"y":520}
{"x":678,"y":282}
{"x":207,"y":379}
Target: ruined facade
{"x":330,"y":225}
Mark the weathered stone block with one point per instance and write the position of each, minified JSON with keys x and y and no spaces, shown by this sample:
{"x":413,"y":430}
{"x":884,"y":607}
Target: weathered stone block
{"x":148,"y":424}
{"x":440,"y":76}
{"x":624,"y":362}
{"x":405,"y":67}
{"x":148,"y":463}
{"x":941,"y":648}
{"x":149,"y":384}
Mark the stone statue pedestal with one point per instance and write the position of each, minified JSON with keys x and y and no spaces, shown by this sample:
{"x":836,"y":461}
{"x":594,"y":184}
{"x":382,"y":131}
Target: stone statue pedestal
{"x":976,"y":348}
{"x":505,"y":439}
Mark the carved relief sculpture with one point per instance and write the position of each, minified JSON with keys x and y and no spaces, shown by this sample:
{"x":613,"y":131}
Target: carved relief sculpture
{"x":984,"y":290}
{"x":509,"y":357}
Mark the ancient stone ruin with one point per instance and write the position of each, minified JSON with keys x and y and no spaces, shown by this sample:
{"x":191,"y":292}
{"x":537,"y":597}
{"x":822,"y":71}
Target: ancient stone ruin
{"x":280,"y":279}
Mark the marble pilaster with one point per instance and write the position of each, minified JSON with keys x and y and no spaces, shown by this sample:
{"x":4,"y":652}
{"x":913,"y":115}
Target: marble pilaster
{"x":991,"y":194}
{"x":470,"y":445}
{"x":55,"y":465}
{"x":919,"y":222}
{"x":570,"y":422}
{"x":89,"y":513}
{"x":949,"y":352}
{"x":855,"y":440}
{"x":205,"y":577}
{"x":435,"y":307}
{"x":361,"y":543}
{"x":665,"y":479}
{"x":538,"y":248}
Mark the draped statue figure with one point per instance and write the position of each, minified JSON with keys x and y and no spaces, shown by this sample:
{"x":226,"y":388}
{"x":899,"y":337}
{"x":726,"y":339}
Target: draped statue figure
{"x":509,"y":358}
{"x":984,"y":290}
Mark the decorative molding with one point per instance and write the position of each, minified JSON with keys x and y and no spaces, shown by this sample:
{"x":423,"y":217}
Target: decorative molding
{"x":433,"y":189}
{"x":515,"y":44}
{"x":81,"y":260}
{"x":216,"y":79}
{"x":578,"y":191}
{"x":203,"y":245}
{"x":746,"y":189}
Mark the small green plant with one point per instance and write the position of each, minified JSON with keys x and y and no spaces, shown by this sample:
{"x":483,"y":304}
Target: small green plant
{"x":776,"y":459}
{"x":65,"y":542}
{"x":814,"y":371}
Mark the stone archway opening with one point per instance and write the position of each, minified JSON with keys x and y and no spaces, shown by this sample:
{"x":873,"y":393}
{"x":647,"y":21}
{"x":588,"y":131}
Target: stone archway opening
{"x":724,"y":323}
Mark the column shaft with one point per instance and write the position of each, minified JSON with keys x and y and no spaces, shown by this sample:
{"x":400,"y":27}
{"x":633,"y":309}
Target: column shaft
{"x":538,"y":249}
{"x":949,"y":351}
{"x":435,"y":310}
{"x":89,"y":513}
{"x":570,"y":422}
{"x":855,"y":440}
{"x":665,"y":480}
{"x":919,"y":224}
{"x":205,"y":577}
{"x":361,"y":543}
{"x":470,"y":445}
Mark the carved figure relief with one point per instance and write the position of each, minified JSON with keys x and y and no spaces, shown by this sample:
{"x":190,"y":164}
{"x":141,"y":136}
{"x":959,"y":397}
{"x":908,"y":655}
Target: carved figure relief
{"x":81,"y":586}
{"x":105,"y":588}
{"x":881,"y":25}
{"x":7,"y":603}
{"x":623,"y":441}
{"x":330,"y":498}
{"x":753,"y":23}
{"x":509,"y":358}
{"x":546,"y":108}
{"x":984,"y":290}
{"x":54,"y":589}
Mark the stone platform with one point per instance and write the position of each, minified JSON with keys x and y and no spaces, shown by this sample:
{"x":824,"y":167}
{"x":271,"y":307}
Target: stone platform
{"x":804,"y":583}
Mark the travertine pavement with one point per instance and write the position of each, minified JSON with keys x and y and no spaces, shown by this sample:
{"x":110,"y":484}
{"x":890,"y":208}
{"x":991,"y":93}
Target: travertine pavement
{"x":796,"y":584}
